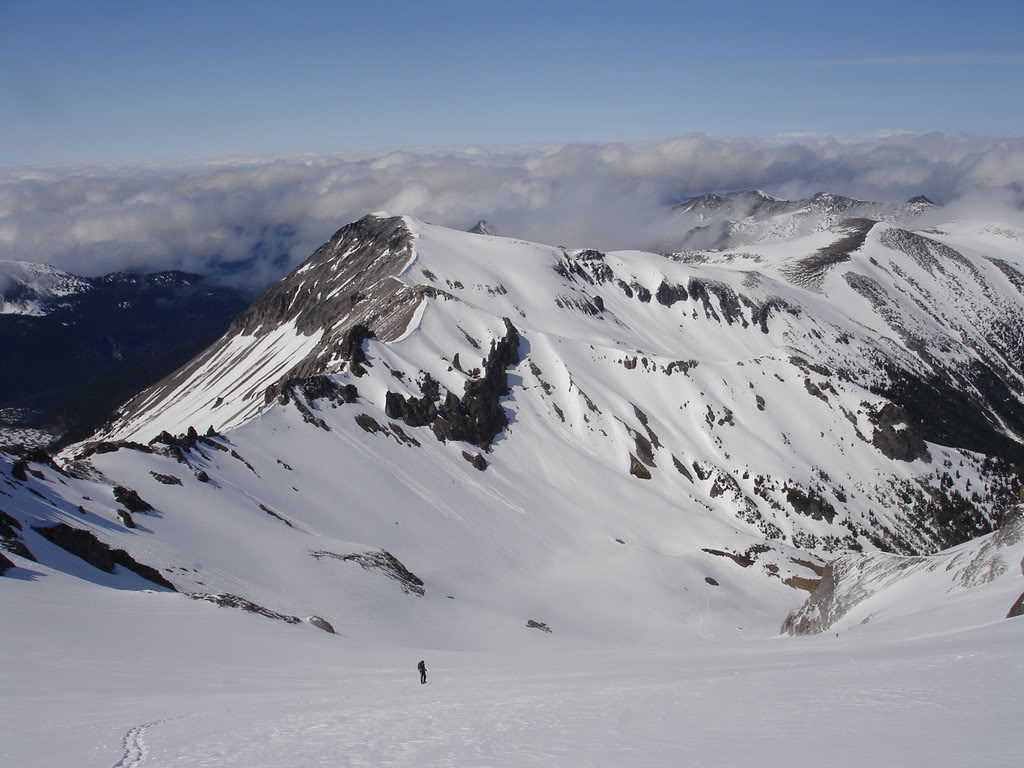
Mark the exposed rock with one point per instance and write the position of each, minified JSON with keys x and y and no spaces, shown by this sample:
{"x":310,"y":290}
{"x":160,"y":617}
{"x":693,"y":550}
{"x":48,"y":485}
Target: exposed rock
{"x":131,"y":499}
{"x":19,"y":470}
{"x":713,"y":582}
{"x":669,"y":293}
{"x":227,"y":600}
{"x":125,"y":518}
{"x":681,"y":468}
{"x":85,"y":545}
{"x":810,"y":272}
{"x":1017,"y":609}
{"x":385,"y":562}
{"x":17,"y":547}
{"x":274,"y":514}
{"x":637,"y":469}
{"x":482,"y":227}
{"x":351,"y":277}
{"x":732,"y":311}
{"x":352,"y":348}
{"x":814,"y":389}
{"x":810,"y":504}
{"x":9,"y":526}
{"x":202,"y":477}
{"x":532,"y":624}
{"x":401,"y":436}
{"x":369,"y":424}
{"x":320,"y":623}
{"x":10,"y":540}
{"x":319,"y":387}
{"x":478,"y":461}
{"x":414,"y":411}
{"x":903,"y":444}
{"x":166,"y":479}
{"x":802,"y":582}
{"x":741,"y":560}
{"x":725,"y":482}
{"x":111,"y":446}
{"x":477,"y":417}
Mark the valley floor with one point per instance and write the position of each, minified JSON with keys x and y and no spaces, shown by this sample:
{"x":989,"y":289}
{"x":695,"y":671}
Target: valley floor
{"x":118,"y":678}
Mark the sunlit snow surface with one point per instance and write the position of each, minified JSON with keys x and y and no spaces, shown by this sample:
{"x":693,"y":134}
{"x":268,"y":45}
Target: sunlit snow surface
{"x":647,"y":663}
{"x":101,"y":678}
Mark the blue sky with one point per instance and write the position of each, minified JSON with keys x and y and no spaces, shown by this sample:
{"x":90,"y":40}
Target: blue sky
{"x":125,"y":80}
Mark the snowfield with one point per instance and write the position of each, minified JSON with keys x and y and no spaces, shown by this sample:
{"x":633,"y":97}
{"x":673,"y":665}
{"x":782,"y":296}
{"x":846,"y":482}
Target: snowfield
{"x":94,"y":677}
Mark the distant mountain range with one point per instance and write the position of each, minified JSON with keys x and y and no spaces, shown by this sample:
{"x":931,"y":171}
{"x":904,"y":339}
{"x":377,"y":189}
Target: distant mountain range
{"x":79,"y":346}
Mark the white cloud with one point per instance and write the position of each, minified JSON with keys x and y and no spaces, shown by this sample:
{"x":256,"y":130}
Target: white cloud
{"x":252,"y":219}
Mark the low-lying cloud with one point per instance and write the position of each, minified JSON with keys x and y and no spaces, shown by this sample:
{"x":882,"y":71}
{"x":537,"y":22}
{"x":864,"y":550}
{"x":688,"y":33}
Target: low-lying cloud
{"x":249,"y":221}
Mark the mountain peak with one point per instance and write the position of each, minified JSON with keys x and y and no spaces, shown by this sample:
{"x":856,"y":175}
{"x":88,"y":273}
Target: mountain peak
{"x":482,"y":227}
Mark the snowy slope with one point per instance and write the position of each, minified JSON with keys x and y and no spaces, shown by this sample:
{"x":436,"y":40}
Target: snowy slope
{"x":530,"y":426}
{"x":96,"y":678}
{"x":619,"y":471}
{"x":791,"y":385}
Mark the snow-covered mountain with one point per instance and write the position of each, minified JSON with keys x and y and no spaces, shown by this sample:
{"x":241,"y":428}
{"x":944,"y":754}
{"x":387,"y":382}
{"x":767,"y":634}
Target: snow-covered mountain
{"x":518,"y":424}
{"x":751,"y":216}
{"x":34,"y":289}
{"x":431,"y":439}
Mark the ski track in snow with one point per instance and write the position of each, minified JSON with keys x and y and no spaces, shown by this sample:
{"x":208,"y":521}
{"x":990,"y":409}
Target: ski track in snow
{"x":135,"y":748}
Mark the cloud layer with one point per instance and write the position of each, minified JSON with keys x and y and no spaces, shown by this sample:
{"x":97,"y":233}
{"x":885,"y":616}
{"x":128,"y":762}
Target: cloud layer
{"x":250,"y":221}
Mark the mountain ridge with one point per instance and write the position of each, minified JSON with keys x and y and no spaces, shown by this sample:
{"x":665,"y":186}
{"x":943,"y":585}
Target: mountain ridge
{"x":519,"y":425}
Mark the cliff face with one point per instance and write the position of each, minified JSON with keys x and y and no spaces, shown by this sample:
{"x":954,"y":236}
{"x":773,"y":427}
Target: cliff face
{"x":855,"y":585}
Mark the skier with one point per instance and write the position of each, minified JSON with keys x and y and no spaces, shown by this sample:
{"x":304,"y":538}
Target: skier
{"x":422,"y":667}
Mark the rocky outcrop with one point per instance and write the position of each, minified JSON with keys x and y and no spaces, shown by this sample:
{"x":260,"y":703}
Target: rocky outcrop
{"x":851,"y":579}
{"x":382,"y":561}
{"x":5,"y":564}
{"x":478,"y":461}
{"x":319,"y":623}
{"x":316,"y":388}
{"x":125,"y":518}
{"x":669,"y":293}
{"x":810,"y":504}
{"x":534,"y":624}
{"x":96,"y":553}
{"x":414,"y":411}
{"x":477,"y":417}
{"x":895,"y":436}
{"x":131,"y":500}
{"x":312,"y":390}
{"x":10,"y":536}
{"x":227,"y":600}
{"x":110,"y":446}
{"x":637,"y":468}
{"x":1017,"y":609}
